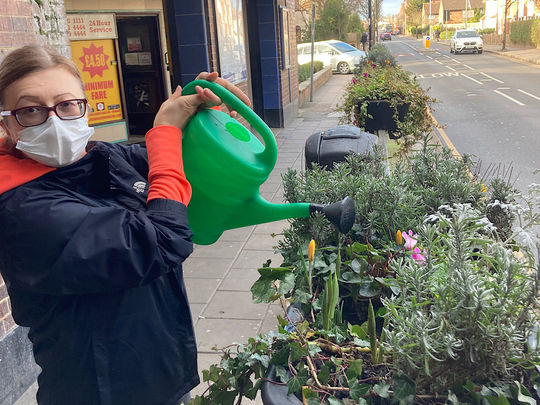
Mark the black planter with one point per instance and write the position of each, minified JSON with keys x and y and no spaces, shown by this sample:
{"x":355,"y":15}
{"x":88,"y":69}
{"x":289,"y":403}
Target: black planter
{"x":382,"y":114}
{"x":276,"y":394}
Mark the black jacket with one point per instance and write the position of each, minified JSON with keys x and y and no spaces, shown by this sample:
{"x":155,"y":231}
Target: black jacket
{"x":96,"y":275}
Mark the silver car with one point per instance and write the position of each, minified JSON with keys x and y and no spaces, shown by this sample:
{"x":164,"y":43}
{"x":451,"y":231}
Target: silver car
{"x":466,"y":41}
{"x":343,"y":57}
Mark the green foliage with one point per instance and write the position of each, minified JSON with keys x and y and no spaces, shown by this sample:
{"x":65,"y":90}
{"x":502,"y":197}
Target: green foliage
{"x":535,"y":33}
{"x":304,"y":71}
{"x":384,"y":202}
{"x":464,"y":315}
{"x":486,"y":31}
{"x":333,"y":21}
{"x":381,"y":56}
{"x":457,"y":325}
{"x":382,"y":81}
{"x":478,"y":13}
{"x":419,"y":30}
{"x":501,"y":205}
{"x":520,"y":32}
{"x":447,"y":34}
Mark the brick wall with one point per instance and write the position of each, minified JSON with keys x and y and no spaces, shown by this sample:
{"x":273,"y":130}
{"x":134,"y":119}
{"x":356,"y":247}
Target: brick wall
{"x":23,"y":22}
{"x":16,"y":24}
{"x":6,"y":321}
{"x":16,"y":29}
{"x":456,"y":17}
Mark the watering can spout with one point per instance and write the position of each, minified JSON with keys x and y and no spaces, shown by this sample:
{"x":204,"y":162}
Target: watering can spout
{"x":257,"y":211}
{"x":341,"y":214}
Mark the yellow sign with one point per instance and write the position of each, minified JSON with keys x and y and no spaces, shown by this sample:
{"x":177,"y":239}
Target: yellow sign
{"x":97,"y":63}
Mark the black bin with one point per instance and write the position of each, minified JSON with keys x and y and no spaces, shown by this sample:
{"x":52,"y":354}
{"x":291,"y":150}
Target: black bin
{"x":333,"y":145}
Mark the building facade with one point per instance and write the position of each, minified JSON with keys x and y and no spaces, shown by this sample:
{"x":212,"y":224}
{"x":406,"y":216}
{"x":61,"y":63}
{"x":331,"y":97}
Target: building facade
{"x":155,"y":45}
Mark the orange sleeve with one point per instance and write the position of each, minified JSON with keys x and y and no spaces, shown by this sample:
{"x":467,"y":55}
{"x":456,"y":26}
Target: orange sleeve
{"x":166,"y":169}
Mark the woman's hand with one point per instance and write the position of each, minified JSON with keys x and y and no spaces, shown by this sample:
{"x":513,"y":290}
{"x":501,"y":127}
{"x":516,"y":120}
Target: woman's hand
{"x":178,"y":109}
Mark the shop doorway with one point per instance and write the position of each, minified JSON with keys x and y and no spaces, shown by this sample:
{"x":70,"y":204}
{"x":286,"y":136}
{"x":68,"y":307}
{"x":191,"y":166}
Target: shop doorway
{"x":142,"y":70}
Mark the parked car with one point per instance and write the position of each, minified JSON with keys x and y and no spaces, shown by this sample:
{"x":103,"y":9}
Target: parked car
{"x":385,"y":36}
{"x":343,"y":57}
{"x":466,"y":41}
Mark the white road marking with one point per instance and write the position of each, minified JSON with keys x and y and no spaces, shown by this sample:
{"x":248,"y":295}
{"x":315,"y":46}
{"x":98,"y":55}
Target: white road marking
{"x":508,"y":97}
{"x":427,"y":56}
{"x":503,"y":88}
{"x":446,"y":56}
{"x":439,"y":62}
{"x":491,"y":77}
{"x":529,"y":94}
{"x":450,"y":67}
{"x":468,"y":67}
{"x":470,"y":78}
{"x":455,"y":60}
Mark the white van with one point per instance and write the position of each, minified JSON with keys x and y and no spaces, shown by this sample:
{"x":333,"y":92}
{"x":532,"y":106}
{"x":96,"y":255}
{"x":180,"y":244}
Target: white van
{"x":343,"y":57}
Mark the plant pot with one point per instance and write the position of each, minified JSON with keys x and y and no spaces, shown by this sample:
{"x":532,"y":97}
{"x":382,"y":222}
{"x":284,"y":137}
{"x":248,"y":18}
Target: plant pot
{"x":276,"y":394}
{"x":382,"y":116}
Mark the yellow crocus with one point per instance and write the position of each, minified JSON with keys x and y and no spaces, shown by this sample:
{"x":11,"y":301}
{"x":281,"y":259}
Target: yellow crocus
{"x":399,"y":237}
{"x":311,"y":251}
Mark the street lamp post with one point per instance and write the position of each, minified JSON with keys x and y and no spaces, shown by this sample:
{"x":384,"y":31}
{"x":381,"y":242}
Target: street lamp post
{"x":466,"y":12}
{"x":429,"y":19}
{"x":370,"y":28}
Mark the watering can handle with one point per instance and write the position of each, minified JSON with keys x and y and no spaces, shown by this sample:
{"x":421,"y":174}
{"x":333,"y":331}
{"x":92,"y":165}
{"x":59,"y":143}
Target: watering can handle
{"x":269,"y":154}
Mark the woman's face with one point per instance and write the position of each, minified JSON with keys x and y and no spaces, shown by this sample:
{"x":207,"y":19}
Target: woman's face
{"x":46,"y":87}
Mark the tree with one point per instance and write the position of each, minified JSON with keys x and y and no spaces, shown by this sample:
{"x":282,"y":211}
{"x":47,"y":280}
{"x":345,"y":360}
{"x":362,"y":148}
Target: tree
{"x":507,"y":6}
{"x":414,"y":14}
{"x":376,"y":7}
{"x":334,"y":21}
{"x":304,"y":6}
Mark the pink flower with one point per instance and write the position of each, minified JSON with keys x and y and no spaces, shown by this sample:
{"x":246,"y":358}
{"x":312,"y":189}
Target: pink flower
{"x":365,"y":75}
{"x":418,"y":256}
{"x":354,"y":80}
{"x":373,"y":65}
{"x":410,"y":239}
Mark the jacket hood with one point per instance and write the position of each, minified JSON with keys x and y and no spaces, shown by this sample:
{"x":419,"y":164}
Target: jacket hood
{"x":16,"y":169}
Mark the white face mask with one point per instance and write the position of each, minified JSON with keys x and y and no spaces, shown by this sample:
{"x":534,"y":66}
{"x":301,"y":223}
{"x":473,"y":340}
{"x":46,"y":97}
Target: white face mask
{"x":56,"y":142}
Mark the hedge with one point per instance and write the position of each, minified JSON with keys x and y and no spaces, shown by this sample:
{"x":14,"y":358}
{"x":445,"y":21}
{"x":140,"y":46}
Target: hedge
{"x":535,"y":33}
{"x":520,"y":32}
{"x":305,"y":70}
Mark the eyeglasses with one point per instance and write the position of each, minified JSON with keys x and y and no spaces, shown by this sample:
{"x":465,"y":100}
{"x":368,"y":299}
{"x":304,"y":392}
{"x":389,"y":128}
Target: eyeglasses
{"x":37,"y":114}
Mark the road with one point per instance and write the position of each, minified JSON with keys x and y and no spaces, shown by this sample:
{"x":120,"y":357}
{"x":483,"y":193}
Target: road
{"x":488,"y":105}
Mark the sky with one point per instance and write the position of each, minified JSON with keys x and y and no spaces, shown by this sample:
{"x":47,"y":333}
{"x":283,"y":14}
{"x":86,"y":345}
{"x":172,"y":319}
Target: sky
{"x":390,"y":7}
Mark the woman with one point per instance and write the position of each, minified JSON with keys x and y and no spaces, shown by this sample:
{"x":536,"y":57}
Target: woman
{"x":92,"y":237}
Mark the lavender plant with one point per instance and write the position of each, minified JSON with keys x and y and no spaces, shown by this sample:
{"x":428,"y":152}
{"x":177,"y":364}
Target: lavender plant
{"x":465,"y":314}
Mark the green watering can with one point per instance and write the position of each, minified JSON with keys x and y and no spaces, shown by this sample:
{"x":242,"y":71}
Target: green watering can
{"x":226,"y":164}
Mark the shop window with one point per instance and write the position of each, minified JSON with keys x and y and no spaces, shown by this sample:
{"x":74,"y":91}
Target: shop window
{"x":285,"y":44}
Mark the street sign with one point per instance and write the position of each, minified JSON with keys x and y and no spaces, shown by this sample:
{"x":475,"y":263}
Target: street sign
{"x":427,"y":38}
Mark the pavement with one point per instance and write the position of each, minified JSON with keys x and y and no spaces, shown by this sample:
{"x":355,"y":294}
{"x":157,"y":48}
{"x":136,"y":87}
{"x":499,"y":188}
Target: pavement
{"x":218,"y":277}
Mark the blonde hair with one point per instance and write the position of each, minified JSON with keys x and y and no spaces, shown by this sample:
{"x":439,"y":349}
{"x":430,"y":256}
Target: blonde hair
{"x":29,"y":59}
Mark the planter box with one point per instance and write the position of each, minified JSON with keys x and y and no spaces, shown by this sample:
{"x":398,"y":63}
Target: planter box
{"x":383,"y":116}
{"x":276,"y":394}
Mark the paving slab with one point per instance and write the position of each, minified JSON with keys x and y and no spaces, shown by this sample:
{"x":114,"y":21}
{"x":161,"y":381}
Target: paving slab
{"x":224,"y":332}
